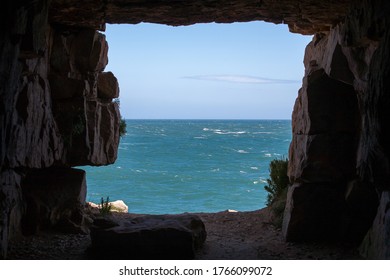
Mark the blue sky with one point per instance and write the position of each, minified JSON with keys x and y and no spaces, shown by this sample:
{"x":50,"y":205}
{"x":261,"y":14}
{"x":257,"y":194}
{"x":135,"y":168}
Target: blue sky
{"x":206,"y":71}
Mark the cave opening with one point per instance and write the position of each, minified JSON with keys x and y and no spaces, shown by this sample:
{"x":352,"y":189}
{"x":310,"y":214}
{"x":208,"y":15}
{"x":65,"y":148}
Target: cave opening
{"x":236,"y":81}
{"x":56,"y":113}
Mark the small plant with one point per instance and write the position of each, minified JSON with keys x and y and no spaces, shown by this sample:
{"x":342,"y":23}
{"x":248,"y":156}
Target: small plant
{"x":105,"y":206}
{"x":277,"y":189}
{"x":122,"y":127}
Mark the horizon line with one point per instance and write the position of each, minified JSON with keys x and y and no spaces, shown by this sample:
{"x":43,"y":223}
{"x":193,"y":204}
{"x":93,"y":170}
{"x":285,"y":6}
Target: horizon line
{"x":212,"y":119}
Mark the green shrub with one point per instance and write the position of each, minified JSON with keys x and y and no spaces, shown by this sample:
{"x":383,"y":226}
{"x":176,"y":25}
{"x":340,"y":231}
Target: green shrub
{"x":278,"y":180}
{"x":105,"y":206}
{"x":122,"y":127}
{"x":277,"y":189}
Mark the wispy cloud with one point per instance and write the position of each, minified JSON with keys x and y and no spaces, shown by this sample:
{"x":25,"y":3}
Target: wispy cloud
{"x":240,"y":79}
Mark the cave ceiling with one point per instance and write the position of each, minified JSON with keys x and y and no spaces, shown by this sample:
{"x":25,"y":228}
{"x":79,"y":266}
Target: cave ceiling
{"x":302,"y":16}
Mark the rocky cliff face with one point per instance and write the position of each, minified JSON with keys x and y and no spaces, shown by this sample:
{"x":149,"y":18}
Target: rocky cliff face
{"x":339,"y":154}
{"x":57,"y":110}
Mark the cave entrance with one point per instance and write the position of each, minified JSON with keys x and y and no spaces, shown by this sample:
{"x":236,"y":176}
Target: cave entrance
{"x":179,"y":86}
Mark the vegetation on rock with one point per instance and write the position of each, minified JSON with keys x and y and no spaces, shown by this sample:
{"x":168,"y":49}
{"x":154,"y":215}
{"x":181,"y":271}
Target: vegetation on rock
{"x":105,"y":206}
{"x":277,"y":189}
{"x":122,"y":128}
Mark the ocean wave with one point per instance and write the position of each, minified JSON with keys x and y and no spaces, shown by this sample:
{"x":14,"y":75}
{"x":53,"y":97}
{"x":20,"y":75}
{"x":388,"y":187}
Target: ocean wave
{"x":262,"y":181}
{"x":138,"y":170}
{"x":263,"y":132}
{"x":229,"y":132}
{"x":242,"y":152}
{"x":224,"y":132}
{"x":267,"y":155}
{"x":254,"y":168}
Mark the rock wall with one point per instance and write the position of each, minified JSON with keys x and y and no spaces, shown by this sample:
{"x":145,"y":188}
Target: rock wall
{"x":56,"y":110}
{"x":82,"y":95}
{"x":339,"y":155}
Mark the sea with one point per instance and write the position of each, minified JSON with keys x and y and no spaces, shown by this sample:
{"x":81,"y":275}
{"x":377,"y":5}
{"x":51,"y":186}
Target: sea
{"x":177,"y":166}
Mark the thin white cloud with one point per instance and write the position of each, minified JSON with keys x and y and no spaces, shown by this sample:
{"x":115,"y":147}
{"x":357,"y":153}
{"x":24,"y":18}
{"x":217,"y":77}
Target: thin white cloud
{"x":240,"y":79}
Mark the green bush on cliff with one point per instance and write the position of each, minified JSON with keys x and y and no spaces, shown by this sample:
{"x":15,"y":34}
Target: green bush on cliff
{"x":122,"y":122}
{"x":122,"y":128}
{"x":277,"y":189}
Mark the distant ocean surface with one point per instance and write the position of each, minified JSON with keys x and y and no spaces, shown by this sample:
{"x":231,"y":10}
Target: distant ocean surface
{"x":176,"y":166}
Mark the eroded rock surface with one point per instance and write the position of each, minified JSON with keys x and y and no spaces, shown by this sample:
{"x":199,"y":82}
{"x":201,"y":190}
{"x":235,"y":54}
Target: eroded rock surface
{"x":50,"y":110}
{"x":148,"y":237}
{"x":54,"y":198}
{"x":305,"y":17}
{"x":376,"y":244}
{"x":339,"y":159}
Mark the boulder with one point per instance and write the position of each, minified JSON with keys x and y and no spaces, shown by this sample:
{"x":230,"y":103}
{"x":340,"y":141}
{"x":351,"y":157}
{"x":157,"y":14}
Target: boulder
{"x":89,"y":51}
{"x":108,"y":87}
{"x":148,"y":237}
{"x":116,"y":206}
{"x":119,"y":206}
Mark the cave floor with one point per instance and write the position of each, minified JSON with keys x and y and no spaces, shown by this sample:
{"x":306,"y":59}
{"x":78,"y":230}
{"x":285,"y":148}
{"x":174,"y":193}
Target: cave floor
{"x":230,"y":235}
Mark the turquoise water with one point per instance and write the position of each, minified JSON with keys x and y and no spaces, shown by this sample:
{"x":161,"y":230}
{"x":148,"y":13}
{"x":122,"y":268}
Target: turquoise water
{"x":175,"y":166}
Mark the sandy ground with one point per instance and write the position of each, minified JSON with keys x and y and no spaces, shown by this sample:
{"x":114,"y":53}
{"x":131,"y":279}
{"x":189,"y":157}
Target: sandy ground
{"x":230,"y":235}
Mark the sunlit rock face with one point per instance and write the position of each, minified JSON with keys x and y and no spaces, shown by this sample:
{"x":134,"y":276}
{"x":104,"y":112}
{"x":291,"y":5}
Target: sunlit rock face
{"x":57,"y":107}
{"x":53,"y":112}
{"x":83,"y":95}
{"x":339,"y":155}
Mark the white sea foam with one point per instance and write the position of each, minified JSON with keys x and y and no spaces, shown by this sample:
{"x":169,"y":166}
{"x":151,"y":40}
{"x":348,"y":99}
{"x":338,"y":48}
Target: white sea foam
{"x":152,"y":161}
{"x":224,"y":132}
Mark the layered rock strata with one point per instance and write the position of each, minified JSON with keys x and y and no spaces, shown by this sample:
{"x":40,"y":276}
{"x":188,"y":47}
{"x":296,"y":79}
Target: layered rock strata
{"x":305,"y":17}
{"x":339,"y":159}
{"x":52,"y":115}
